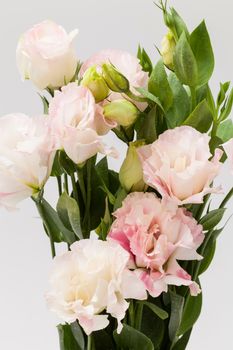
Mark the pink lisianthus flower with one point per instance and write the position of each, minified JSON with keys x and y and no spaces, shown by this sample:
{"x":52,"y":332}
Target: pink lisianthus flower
{"x":77,"y":123}
{"x":179,"y":165}
{"x":157,"y":234}
{"x":126,"y":64}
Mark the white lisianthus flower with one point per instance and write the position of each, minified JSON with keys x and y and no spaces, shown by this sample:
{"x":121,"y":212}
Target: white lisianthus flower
{"x":26,"y":157}
{"x":45,"y":55}
{"x":89,"y":279}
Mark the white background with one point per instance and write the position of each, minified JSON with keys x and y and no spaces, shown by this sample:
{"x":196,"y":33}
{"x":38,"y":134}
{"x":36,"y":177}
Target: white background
{"x":25,"y":323}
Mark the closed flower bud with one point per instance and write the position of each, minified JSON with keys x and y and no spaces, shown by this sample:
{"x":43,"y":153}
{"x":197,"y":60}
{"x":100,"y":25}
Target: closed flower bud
{"x":167,"y":50}
{"x":115,"y":80}
{"x":95,"y":82}
{"x":121,"y":111}
{"x":131,"y":175}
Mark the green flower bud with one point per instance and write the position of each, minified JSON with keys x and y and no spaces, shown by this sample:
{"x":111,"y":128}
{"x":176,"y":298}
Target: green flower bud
{"x":122,"y":111}
{"x":95,"y":82}
{"x":168,"y":49}
{"x":114,"y":79}
{"x":131,"y":175}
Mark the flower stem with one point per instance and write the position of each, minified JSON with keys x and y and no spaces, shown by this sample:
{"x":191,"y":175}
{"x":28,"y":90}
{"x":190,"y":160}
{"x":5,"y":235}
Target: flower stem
{"x":66,"y":185}
{"x":89,"y":342}
{"x":59,"y":184}
{"x":88,"y":198}
{"x":82,"y":184}
{"x":138,"y":320}
{"x":75,"y":191}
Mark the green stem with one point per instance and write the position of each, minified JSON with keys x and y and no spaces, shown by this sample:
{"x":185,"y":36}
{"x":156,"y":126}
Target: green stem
{"x":131,"y":313}
{"x":59,"y":184}
{"x":89,"y":342}
{"x":135,"y":97}
{"x":227,"y":198}
{"x":88,"y":198}
{"x":82,"y":184}
{"x":193,"y":96}
{"x":75,"y":190}
{"x":138,"y":320}
{"x":66,"y":185}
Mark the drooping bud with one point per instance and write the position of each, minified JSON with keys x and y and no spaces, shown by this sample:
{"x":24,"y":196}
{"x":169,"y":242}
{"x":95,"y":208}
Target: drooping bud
{"x":131,"y":174}
{"x":167,"y":49}
{"x":116,"y":81}
{"x":95,"y":82}
{"x":122,"y":111}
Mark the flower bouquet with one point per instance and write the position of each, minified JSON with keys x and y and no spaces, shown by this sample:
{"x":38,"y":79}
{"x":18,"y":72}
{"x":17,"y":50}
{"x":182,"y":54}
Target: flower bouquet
{"x":137,"y":240}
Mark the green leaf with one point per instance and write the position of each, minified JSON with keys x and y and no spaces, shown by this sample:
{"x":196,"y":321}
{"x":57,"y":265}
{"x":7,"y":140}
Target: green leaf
{"x":177,"y":304}
{"x":207,"y":256}
{"x":57,"y":170}
{"x":180,"y":108}
{"x":222,"y":93}
{"x":66,"y":163}
{"x":204,"y":93}
{"x":178,"y":23}
{"x":150,"y":97}
{"x":203,"y":52}
{"x":145,"y":60}
{"x":68,"y":211}
{"x":192,"y":310}
{"x":102,"y":171}
{"x":146,"y":126}
{"x":185,"y":63}
{"x":67,"y":339}
{"x":153,"y":327}
{"x":225,"y":130}
{"x":183,"y":341}
{"x":120,"y":196}
{"x":102,"y":338}
{"x":201,"y":118}
{"x":212,"y":219}
{"x":53,"y":224}
{"x":226,"y":110}
{"x":45,"y":104}
{"x":158,"y":85}
{"x":156,"y":309}
{"x":130,"y":338}
{"x":78,"y":334}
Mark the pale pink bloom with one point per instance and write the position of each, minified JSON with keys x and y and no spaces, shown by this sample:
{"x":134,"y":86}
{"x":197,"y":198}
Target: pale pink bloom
{"x":45,"y":55}
{"x":92,"y":278}
{"x":179,"y":165}
{"x":157,"y":234}
{"x":26,"y":157}
{"x":228,"y":148}
{"x":77,"y":123}
{"x":126,"y":64}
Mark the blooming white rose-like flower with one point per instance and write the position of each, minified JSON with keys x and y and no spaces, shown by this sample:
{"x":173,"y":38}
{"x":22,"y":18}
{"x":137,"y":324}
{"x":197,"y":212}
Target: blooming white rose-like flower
{"x":89,"y":279}
{"x":45,"y":55}
{"x":26,"y":157}
{"x":77,"y":123}
{"x":179,"y":165}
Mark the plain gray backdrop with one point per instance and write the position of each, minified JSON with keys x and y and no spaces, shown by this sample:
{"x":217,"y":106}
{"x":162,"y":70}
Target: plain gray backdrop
{"x":25,"y":323}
